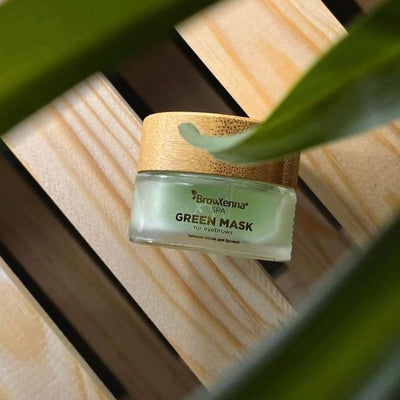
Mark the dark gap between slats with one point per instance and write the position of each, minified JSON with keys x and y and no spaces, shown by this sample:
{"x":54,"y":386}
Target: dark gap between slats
{"x":137,"y":104}
{"x":345,"y":11}
{"x":208,"y":76}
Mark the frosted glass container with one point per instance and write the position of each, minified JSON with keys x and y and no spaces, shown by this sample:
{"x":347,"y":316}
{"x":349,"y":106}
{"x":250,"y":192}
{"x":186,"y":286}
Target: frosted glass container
{"x":213,"y":213}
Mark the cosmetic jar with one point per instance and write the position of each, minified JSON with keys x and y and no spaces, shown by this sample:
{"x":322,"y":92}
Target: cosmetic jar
{"x":184,"y":198}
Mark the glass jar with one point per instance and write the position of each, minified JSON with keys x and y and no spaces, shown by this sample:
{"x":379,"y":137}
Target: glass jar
{"x":213,"y":213}
{"x":209,"y":205}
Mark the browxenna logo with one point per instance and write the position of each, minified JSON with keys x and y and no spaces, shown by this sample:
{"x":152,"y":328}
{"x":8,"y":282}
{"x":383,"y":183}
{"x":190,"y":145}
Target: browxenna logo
{"x":217,"y":201}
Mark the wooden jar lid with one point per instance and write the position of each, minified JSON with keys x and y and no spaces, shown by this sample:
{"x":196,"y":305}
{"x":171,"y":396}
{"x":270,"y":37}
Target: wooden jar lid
{"x":163,"y":149}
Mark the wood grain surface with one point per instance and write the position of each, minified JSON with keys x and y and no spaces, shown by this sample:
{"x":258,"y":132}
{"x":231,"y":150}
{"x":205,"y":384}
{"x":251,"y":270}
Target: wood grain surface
{"x":36,"y":238}
{"x":258,"y":49}
{"x":83,"y":151}
{"x":36,"y":360}
{"x":317,"y":247}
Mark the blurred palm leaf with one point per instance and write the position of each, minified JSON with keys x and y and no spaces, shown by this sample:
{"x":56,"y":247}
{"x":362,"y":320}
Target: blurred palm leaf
{"x":46,"y":46}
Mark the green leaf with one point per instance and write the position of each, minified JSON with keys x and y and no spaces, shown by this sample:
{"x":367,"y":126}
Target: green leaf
{"x":46,"y":46}
{"x":345,"y":344}
{"x":354,"y":87}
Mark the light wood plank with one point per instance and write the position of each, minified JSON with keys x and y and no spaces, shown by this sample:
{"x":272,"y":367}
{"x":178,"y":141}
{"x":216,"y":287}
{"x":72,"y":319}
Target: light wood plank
{"x":83,"y":151}
{"x":358,"y":180}
{"x":258,"y":49}
{"x":41,"y":242}
{"x":317,"y":247}
{"x":36,"y":360}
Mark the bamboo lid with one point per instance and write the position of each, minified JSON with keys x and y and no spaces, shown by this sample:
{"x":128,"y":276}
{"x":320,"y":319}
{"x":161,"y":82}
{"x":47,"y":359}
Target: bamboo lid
{"x":163,"y":149}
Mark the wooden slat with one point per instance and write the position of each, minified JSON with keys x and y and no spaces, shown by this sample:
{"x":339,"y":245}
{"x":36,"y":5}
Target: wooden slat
{"x":83,"y":151}
{"x":358,"y":180}
{"x":258,"y":49}
{"x":36,"y":360}
{"x":37,"y":239}
{"x":317,"y":248}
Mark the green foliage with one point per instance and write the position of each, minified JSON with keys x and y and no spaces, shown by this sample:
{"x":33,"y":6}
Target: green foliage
{"x":346,"y":346}
{"x":352,"y":88}
{"x":46,"y":46}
